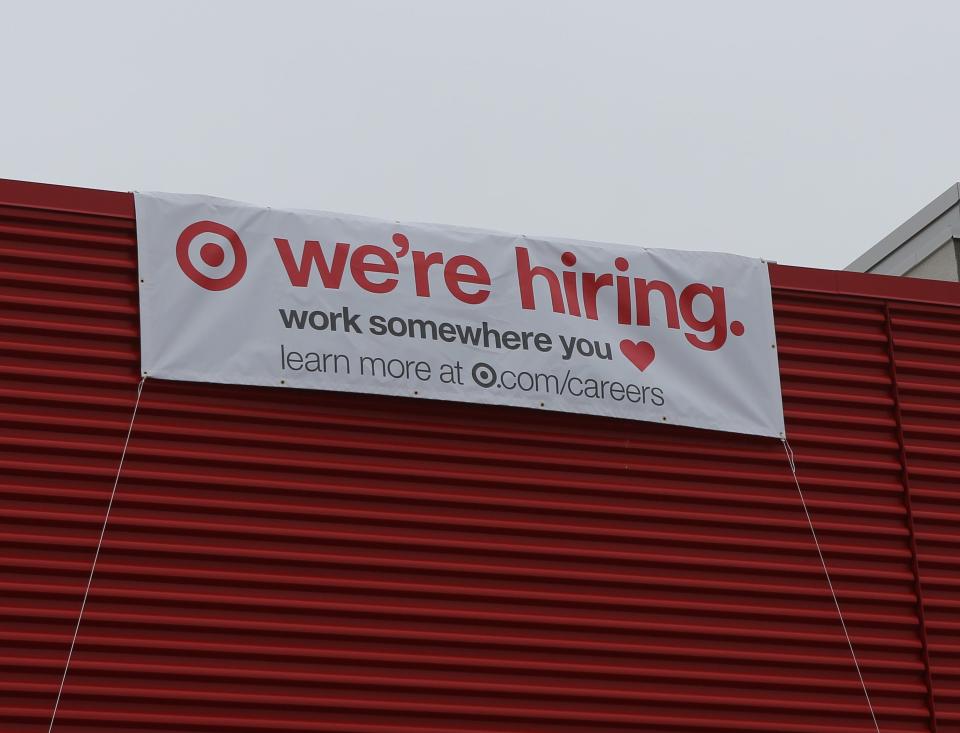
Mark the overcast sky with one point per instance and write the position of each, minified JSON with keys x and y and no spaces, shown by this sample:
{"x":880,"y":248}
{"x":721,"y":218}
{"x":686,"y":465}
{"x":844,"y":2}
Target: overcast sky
{"x":801,"y":132}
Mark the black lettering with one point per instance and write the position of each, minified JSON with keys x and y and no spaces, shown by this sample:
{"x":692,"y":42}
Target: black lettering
{"x":543,"y":342}
{"x":511,"y":340}
{"x":373,"y":362}
{"x":292,"y":317}
{"x":447,"y":332}
{"x":469,"y":334}
{"x":350,"y":322}
{"x":294,"y":361}
{"x":323,"y":318}
{"x":378,"y":325}
{"x":422,"y":371}
{"x":423,"y":326}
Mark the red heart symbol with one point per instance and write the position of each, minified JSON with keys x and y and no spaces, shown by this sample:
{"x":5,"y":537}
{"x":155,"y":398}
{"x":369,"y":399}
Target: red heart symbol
{"x":641,"y":353}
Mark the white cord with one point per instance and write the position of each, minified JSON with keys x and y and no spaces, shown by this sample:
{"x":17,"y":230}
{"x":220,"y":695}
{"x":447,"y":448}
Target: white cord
{"x":96,"y":555}
{"x":116,"y":482}
{"x":823,"y":562}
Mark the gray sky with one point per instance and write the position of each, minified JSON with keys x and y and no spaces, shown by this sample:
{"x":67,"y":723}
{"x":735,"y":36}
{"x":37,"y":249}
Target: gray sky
{"x":801,"y":132}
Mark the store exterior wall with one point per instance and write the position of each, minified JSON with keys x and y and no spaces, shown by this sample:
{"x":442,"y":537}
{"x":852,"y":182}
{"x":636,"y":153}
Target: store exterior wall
{"x":292,"y":561}
{"x":941,"y":265}
{"x":927,"y":245}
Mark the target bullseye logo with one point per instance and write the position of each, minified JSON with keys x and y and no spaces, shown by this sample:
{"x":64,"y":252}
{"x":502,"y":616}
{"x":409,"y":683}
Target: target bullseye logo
{"x":211,"y":255}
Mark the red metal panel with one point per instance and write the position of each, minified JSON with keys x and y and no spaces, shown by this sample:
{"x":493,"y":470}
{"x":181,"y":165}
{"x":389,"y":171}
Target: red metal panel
{"x":927,"y":347}
{"x":282,"y":561}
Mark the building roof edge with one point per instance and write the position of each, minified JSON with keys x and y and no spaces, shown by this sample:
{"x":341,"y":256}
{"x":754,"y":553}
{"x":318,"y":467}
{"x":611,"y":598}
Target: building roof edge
{"x":909,"y":229}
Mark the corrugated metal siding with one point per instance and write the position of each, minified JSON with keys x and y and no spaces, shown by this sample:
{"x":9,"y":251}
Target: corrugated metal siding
{"x":927,"y":347}
{"x":287,"y":561}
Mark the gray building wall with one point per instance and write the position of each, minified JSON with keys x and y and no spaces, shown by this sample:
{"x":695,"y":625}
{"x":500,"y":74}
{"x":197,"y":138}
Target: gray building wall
{"x":927,"y":245}
{"x":941,"y":265}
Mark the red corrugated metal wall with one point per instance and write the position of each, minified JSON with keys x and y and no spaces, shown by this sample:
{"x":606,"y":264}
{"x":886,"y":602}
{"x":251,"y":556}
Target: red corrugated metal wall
{"x":926,"y":341}
{"x":292,"y":561}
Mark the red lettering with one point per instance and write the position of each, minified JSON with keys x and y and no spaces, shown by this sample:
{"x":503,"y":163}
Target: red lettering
{"x":360,"y":268}
{"x":525,"y":275}
{"x":454,"y":279}
{"x":643,"y":288}
{"x":299,"y":273}
{"x":591,"y":286}
{"x":717,"y":320}
{"x":570,"y":289}
{"x":623,"y":300}
{"x":422,"y":262}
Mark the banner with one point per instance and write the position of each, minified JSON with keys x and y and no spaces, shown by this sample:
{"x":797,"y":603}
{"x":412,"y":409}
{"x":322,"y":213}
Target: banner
{"x":240,"y":294}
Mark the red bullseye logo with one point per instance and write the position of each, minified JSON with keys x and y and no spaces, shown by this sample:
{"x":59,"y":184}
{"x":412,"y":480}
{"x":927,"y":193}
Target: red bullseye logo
{"x":212,"y":271}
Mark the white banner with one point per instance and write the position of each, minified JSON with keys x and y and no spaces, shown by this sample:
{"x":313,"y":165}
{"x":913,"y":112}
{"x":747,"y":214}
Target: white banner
{"x":241,"y":294}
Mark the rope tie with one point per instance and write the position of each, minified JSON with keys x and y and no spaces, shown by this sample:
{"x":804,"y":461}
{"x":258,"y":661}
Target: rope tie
{"x":96,"y":556}
{"x":823,"y":562}
{"x":113,"y":493}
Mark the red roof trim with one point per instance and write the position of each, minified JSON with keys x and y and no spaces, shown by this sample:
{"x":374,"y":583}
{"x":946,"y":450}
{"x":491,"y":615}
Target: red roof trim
{"x":66,"y":198}
{"x":835,"y":282}
{"x":885,"y":287}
